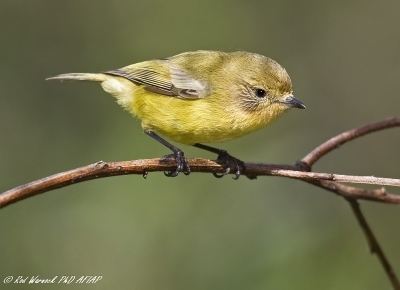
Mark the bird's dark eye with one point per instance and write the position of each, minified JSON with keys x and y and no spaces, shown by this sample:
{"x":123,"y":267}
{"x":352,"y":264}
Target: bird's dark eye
{"x":261,"y":93}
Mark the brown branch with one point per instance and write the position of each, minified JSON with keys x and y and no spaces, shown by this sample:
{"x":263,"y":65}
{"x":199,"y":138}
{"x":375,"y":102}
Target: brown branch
{"x":338,"y":140}
{"x":350,"y":193}
{"x":106,"y":169}
{"x":373,"y":243}
{"x":302,"y":171}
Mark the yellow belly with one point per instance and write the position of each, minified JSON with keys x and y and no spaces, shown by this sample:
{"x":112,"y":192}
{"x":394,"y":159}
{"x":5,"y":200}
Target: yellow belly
{"x":205,"y":120}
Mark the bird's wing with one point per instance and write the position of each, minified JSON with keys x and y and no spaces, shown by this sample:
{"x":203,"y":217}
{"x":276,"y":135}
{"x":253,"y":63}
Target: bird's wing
{"x":165,"y":78}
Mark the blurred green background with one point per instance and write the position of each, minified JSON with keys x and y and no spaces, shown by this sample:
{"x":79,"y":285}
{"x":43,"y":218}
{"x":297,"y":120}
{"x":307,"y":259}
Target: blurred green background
{"x":195,"y":232}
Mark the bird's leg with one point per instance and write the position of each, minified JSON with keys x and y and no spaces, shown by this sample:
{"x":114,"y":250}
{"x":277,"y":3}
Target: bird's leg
{"x":177,"y":154}
{"x":230,"y":163}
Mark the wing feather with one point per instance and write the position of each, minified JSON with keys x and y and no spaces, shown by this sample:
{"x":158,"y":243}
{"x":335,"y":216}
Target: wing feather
{"x":163,"y":77}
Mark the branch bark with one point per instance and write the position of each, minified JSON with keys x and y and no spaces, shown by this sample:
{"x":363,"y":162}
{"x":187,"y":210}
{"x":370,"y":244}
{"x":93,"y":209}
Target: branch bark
{"x":301,"y":170}
{"x":106,"y":169}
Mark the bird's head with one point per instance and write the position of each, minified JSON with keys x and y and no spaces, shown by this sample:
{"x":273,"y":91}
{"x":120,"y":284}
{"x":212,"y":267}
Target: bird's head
{"x":263,"y":86}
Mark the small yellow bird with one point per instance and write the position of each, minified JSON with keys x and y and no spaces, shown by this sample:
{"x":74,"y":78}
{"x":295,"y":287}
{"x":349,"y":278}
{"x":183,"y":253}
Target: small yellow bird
{"x":200,"y":97}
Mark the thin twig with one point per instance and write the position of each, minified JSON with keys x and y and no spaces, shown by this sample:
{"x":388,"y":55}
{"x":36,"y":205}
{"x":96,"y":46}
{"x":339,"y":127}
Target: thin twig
{"x":373,"y":243}
{"x":337,"y":141}
{"x":350,"y":193}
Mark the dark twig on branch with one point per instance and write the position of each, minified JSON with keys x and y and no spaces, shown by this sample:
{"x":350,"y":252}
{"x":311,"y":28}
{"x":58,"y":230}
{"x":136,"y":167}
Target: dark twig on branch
{"x":373,"y":244}
{"x":301,"y":170}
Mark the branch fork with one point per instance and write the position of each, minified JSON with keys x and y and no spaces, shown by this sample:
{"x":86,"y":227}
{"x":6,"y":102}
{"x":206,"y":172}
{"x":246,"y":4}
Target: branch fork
{"x":302,"y":170}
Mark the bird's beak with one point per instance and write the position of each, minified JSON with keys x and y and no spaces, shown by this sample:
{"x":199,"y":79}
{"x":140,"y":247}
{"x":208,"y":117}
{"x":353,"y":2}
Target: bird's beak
{"x":292,"y":102}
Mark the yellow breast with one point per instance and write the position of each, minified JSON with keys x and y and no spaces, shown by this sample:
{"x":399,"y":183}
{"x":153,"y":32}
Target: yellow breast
{"x":208,"y":120}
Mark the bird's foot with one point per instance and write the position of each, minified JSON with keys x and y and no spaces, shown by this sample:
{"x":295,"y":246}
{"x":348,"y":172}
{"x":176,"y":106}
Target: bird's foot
{"x":231,"y":165}
{"x":181,"y":164}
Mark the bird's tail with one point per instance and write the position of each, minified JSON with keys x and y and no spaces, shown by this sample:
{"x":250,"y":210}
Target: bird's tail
{"x":122,"y":89}
{"x":80,"y":77}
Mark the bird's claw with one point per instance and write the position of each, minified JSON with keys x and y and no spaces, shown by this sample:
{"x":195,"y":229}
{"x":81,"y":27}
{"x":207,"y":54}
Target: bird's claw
{"x":230,"y":164}
{"x":220,"y":175}
{"x":181,"y":164}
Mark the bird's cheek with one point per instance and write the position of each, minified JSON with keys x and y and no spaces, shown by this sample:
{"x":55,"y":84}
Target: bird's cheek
{"x":277,"y":108}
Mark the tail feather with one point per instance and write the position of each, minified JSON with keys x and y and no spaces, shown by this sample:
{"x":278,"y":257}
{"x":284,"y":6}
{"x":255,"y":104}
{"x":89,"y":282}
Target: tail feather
{"x":80,"y":77}
{"x":121,"y":88}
